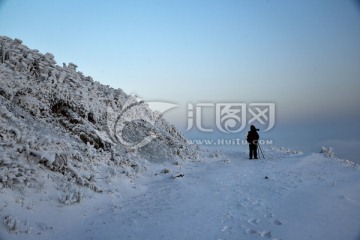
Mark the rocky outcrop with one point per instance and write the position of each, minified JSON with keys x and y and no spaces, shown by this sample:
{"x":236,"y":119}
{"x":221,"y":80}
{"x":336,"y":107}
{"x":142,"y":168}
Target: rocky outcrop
{"x":56,"y":117}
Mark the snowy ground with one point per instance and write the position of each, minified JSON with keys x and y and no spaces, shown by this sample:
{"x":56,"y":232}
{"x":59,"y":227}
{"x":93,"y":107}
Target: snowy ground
{"x":288,"y":196}
{"x":71,"y":169}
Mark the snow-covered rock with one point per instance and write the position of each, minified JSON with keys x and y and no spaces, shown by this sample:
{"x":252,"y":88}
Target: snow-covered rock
{"x":328,"y":152}
{"x":58,"y":123}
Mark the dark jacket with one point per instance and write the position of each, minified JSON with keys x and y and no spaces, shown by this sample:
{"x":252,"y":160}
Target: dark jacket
{"x":252,"y":136}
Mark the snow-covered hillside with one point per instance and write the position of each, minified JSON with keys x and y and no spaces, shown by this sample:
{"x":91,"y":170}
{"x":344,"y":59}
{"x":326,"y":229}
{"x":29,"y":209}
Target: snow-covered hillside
{"x":64,"y":131}
{"x":80,"y":160}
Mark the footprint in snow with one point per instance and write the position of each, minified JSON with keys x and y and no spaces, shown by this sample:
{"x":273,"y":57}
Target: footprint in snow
{"x":253,"y":221}
{"x":266,"y":234}
{"x":277,"y":222}
{"x":250,"y":231}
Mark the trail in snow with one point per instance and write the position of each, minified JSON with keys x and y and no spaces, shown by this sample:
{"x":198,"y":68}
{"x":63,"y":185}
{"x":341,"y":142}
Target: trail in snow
{"x":297,"y":197}
{"x":58,"y":148}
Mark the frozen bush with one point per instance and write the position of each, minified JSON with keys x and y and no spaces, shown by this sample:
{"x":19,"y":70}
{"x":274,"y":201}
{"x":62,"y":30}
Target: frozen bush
{"x":11,"y":223}
{"x":328,"y":152}
{"x":71,"y":194}
{"x":55,"y":122}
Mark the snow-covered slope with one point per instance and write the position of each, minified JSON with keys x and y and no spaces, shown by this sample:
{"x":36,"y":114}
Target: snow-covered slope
{"x":80,"y":160}
{"x":62,"y":130}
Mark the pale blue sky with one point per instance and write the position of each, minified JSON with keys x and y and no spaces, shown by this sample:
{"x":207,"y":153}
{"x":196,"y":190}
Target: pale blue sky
{"x":302,"y":55}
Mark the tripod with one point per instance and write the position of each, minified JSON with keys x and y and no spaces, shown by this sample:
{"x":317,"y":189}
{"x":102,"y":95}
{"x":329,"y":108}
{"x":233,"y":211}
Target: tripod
{"x":260,"y":151}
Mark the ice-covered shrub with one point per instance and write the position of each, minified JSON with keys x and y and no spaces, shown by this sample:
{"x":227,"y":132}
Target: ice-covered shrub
{"x":14,"y":225}
{"x":11,"y":223}
{"x":55,"y":122}
{"x":73,"y":195}
{"x":328,"y":152}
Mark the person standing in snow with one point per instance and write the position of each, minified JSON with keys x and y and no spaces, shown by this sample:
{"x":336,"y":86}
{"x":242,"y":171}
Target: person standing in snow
{"x":252,"y":139}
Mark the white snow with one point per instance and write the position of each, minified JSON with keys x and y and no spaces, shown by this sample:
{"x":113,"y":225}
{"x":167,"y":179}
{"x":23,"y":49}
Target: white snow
{"x":224,"y":196}
{"x":70,"y":168}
